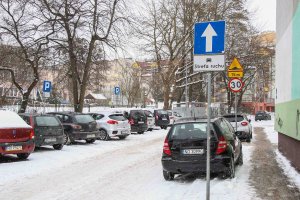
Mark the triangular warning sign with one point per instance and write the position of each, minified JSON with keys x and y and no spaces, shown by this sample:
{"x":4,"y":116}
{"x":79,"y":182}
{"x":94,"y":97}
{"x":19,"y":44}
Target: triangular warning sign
{"x":235,"y":66}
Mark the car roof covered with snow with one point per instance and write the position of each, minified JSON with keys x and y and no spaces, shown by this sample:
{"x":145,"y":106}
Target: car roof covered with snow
{"x":9,"y":119}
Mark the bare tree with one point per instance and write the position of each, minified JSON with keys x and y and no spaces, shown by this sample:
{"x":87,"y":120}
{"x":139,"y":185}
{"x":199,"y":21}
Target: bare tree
{"x":89,"y":23}
{"x":20,"y":28}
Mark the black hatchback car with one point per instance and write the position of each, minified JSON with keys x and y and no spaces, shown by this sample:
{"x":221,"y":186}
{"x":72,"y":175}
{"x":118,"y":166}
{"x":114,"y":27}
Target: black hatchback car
{"x":185,"y":147}
{"x":47,"y":129}
{"x":78,"y":126}
{"x":161,"y":118}
{"x":262,"y":115}
{"x":137,"y":120}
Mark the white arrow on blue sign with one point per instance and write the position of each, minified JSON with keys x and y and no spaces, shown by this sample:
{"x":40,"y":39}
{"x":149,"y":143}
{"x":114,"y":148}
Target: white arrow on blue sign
{"x":47,"y":86}
{"x":117,"y":90}
{"x":209,"y":38}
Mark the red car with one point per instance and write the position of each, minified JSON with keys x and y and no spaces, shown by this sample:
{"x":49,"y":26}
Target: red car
{"x":16,"y":136}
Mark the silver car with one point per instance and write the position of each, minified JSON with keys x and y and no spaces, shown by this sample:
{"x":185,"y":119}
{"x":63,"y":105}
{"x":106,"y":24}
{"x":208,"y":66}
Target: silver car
{"x":150,"y":119}
{"x":111,"y":124}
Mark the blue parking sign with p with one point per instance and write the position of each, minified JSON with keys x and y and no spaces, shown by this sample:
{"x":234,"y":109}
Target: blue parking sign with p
{"x":47,"y":86}
{"x":117,"y":90}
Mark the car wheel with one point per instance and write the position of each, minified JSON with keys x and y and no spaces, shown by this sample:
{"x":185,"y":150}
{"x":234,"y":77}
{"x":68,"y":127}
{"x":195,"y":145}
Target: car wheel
{"x":248,"y":139}
{"x":168,"y":176}
{"x":230,"y":173}
{"x":103,"y":135}
{"x":150,"y":129}
{"x":23,"y":156}
{"x":122,"y":137}
{"x":90,"y":141}
{"x":142,"y":132}
{"x":58,"y":146}
{"x":240,"y":160}
{"x":67,"y":139}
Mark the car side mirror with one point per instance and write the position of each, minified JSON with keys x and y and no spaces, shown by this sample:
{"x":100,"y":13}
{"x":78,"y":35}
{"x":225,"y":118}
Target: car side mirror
{"x":249,"y":120}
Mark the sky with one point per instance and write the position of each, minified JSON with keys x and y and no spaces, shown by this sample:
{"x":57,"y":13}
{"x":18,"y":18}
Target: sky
{"x":263,"y":14}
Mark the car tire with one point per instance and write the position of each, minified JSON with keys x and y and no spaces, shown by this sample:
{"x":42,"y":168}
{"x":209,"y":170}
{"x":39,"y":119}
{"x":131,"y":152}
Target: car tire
{"x":248,"y":139}
{"x":58,"y":146}
{"x":122,"y":137}
{"x":23,"y":156}
{"x":150,"y":129}
{"x":67,"y":139}
{"x":168,"y":176}
{"x":90,"y":141}
{"x":103,"y":135}
{"x":240,"y":160}
{"x":142,"y":132}
{"x":230,"y":172}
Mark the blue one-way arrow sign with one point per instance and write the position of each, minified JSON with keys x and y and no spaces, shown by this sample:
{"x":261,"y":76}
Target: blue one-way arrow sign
{"x":209,"y":38}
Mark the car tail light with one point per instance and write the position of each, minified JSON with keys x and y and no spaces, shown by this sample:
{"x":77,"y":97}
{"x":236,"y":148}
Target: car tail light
{"x":222,"y":144}
{"x":74,"y":126}
{"x":31,"y":134}
{"x":167,"y":147}
{"x":112,"y":121}
{"x":131,"y":122}
{"x":244,"y":123}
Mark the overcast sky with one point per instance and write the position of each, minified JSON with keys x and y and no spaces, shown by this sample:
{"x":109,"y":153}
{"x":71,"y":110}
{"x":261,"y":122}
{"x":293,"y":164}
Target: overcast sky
{"x":264,"y":14}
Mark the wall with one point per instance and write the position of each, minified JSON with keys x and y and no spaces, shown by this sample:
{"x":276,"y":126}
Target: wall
{"x":288,"y":68}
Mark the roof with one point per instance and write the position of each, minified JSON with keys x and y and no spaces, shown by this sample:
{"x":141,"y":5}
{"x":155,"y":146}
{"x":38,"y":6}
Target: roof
{"x":95,"y":96}
{"x":9,"y":119}
{"x":183,"y":120}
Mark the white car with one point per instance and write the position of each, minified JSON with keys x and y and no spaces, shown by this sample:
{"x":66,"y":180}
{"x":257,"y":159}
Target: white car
{"x":173,"y":116}
{"x":111,"y":124}
{"x":244,"y":127}
{"x":150,"y":119}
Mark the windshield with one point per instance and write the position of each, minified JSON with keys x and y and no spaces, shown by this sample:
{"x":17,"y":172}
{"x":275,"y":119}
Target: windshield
{"x":46,"y":121}
{"x":232,"y":118}
{"x":189,"y":131}
{"x":118,"y":117}
{"x":84,"y":118}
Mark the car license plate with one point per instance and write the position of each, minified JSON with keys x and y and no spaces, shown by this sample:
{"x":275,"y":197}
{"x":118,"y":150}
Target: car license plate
{"x":90,"y":136}
{"x":164,"y":118}
{"x":124,"y":132}
{"x":50,"y":140}
{"x":140,"y":122}
{"x":13,"y":148}
{"x":193,"y":151}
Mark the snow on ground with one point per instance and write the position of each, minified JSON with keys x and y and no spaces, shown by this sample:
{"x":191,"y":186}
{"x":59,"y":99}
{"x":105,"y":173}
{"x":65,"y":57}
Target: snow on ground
{"x":283,"y":162}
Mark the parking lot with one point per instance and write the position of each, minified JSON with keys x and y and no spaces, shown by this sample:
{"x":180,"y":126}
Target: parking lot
{"x":131,"y":169}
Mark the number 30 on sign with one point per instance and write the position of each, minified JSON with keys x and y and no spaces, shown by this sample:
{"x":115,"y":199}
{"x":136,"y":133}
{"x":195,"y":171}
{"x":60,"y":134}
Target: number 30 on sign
{"x":235,"y":85}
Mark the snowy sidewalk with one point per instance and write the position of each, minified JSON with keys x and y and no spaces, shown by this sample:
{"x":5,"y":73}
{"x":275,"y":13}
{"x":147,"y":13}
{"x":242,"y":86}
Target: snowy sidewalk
{"x":268,"y":176}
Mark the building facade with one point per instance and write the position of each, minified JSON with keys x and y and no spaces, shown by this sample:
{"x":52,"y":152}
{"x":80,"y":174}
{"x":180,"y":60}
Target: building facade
{"x":287,"y":95}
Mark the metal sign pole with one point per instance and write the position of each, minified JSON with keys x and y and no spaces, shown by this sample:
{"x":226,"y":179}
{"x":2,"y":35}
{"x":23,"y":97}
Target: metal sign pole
{"x":235,"y":109}
{"x":208,"y":137}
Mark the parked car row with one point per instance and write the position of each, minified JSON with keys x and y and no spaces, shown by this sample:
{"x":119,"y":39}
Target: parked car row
{"x":20,"y":134}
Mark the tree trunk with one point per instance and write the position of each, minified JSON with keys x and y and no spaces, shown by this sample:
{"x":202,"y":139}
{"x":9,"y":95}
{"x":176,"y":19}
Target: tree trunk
{"x":24,"y":103}
{"x":166,"y":97}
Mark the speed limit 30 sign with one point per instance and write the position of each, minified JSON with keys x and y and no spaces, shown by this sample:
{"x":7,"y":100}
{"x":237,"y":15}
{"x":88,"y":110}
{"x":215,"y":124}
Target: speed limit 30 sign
{"x":236,"y":85}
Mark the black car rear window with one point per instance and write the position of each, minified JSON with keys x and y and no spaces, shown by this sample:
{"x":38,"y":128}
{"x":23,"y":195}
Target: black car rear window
{"x":231,"y":118}
{"x":46,"y":121}
{"x":84,"y":118}
{"x":118,"y":117}
{"x":137,"y":114}
{"x":189,"y":131}
{"x":162,"y":112}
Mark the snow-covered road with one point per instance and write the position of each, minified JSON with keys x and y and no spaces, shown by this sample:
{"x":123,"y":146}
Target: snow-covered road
{"x":128,"y":169}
